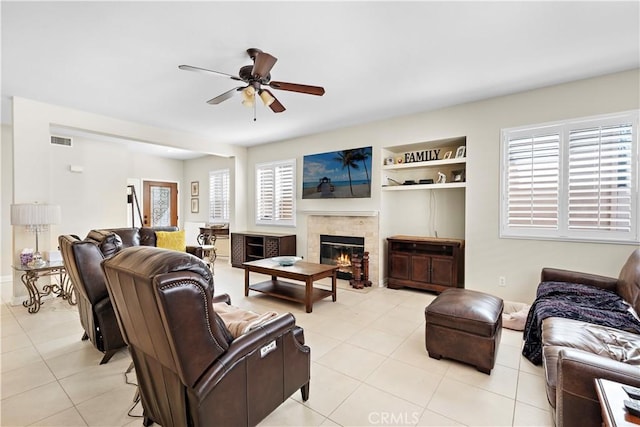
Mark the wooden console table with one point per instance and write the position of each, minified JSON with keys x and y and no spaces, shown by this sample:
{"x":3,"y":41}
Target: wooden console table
{"x":429,"y":263}
{"x":303,"y":271}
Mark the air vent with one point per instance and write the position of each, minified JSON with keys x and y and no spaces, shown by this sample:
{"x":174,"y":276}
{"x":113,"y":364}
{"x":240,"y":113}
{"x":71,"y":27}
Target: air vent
{"x":61,"y":140}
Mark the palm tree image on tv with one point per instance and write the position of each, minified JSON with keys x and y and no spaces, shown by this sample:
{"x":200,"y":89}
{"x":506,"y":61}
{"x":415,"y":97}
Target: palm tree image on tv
{"x":337,"y":174}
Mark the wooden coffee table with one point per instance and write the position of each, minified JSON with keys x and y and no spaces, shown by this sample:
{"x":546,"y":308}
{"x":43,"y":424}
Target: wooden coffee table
{"x":306,"y":272}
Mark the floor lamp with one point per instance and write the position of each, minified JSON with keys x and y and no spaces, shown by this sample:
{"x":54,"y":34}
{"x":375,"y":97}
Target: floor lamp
{"x":36,"y":218}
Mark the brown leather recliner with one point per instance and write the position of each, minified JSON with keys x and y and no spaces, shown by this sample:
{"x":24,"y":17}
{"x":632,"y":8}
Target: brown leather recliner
{"x":190,"y":371}
{"x":82,"y":260}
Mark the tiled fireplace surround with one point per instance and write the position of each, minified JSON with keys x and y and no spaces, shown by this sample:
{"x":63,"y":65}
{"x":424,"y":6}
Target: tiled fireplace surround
{"x":346,"y":224}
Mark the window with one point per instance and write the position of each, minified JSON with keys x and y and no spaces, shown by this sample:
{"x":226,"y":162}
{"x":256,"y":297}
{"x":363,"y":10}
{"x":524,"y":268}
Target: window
{"x":219,"y":196}
{"x":573,"y":180}
{"x":275,"y":193}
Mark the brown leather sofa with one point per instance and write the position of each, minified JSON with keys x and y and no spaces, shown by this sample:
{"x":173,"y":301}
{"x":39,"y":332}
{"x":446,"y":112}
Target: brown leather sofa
{"x":82,"y":260}
{"x":575,"y":353}
{"x":190,"y":370}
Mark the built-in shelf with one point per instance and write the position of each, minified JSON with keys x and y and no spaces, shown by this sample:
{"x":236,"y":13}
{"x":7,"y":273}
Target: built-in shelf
{"x":424,"y":186}
{"x":401,"y":173}
{"x":432,"y":163}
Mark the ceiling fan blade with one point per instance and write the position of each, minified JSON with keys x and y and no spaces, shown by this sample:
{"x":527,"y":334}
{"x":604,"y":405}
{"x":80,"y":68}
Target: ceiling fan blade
{"x":275,"y":106}
{"x":263,"y":63}
{"x":223,"y":97}
{"x":204,"y":70}
{"x":294,"y":87}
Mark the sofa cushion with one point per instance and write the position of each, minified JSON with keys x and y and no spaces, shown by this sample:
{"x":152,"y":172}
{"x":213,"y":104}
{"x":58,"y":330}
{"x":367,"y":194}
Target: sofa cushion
{"x":608,"y":342}
{"x":174,"y":240}
{"x":559,"y":333}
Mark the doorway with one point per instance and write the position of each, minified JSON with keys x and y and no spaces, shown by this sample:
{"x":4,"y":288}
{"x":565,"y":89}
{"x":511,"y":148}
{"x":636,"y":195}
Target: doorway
{"x":160,"y":204}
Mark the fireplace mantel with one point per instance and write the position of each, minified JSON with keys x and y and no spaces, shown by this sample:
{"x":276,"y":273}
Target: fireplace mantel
{"x":345,"y":223}
{"x":339,"y":213}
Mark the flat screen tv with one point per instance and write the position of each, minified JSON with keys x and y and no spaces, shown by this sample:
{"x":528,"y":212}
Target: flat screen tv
{"x":337,"y":174}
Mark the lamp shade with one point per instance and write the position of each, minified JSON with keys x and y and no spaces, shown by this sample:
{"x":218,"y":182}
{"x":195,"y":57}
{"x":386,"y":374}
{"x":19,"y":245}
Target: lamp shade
{"x":34,"y":214}
{"x":266,"y":97}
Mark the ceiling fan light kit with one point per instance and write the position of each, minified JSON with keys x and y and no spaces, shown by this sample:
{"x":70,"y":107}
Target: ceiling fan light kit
{"x":255,"y":76}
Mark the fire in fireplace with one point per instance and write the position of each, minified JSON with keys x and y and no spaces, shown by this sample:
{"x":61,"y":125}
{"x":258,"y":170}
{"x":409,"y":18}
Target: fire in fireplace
{"x":338,"y":250}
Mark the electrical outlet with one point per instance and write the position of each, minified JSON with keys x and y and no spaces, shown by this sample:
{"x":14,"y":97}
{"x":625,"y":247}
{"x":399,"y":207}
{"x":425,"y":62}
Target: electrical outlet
{"x":502,"y":281}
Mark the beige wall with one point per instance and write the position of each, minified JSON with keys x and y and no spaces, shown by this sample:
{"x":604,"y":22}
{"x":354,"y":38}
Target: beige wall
{"x":487,"y":256}
{"x":6,"y":190}
{"x":97,"y":196}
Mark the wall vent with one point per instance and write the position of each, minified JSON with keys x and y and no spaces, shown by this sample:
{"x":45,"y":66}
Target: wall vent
{"x":61,"y":140}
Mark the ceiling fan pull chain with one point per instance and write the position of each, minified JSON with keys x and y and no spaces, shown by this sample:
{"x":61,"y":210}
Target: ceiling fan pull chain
{"x":254,"y":107}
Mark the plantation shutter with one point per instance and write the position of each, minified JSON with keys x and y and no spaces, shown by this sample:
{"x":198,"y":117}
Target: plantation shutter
{"x":532,"y":181}
{"x":266,"y":191}
{"x":275,"y":193}
{"x":219,"y":196}
{"x":285,"y":193}
{"x":600,"y":173}
{"x":575,"y":180}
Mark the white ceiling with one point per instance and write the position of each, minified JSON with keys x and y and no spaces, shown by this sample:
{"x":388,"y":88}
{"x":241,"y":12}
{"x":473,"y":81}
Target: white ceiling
{"x":375,"y":59}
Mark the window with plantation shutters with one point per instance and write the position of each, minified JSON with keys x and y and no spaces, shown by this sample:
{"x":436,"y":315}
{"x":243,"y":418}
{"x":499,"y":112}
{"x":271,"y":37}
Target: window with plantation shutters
{"x":275,"y":193}
{"x":219,"y":196}
{"x":574,"y":180}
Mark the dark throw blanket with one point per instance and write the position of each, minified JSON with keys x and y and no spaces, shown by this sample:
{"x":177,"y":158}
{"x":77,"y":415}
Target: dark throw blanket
{"x":574,"y":301}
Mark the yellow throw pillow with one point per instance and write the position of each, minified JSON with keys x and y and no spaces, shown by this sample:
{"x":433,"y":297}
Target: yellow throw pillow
{"x":173,"y":240}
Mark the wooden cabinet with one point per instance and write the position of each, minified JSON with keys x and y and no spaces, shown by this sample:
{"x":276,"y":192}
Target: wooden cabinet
{"x":429,"y":263}
{"x":249,"y":246}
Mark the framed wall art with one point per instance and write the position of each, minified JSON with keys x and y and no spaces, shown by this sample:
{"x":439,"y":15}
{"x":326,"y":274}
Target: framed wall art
{"x":337,"y":174}
{"x":195,"y":188}
{"x":195,"y":205}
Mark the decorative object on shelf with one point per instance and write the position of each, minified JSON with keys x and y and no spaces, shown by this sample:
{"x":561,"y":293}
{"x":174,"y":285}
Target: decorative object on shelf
{"x":447,"y":155}
{"x":323,"y":174}
{"x":426,"y":181}
{"x":442,"y":178}
{"x":400,"y":160}
{"x":286,"y":261}
{"x":195,"y":188}
{"x":421,"y":156}
{"x":458,"y":175}
{"x":388,"y":161}
{"x":36,"y":218}
{"x":394,"y":181}
{"x":461,"y":151}
{"x":195,"y":205}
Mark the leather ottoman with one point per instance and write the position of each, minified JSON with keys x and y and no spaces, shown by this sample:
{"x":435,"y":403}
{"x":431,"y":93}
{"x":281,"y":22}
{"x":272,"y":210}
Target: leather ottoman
{"x":464,"y":325}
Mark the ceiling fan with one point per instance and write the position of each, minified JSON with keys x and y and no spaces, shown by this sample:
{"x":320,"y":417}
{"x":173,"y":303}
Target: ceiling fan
{"x":255,"y":77}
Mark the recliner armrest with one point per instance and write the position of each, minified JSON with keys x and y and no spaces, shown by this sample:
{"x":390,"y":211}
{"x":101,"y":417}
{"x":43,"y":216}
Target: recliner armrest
{"x":558,"y":275}
{"x":225,"y":298}
{"x":242,"y":346}
{"x":576,"y":396}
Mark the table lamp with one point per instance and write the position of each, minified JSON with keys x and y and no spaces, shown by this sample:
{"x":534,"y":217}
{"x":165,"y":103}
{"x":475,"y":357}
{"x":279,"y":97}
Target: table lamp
{"x":36,"y":218}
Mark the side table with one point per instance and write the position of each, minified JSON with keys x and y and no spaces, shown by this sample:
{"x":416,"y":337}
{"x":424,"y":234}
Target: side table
{"x":611,"y":397}
{"x":30,"y":275}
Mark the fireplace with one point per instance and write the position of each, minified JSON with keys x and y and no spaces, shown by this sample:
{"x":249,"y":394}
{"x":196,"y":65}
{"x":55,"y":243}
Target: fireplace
{"x":338,"y":250}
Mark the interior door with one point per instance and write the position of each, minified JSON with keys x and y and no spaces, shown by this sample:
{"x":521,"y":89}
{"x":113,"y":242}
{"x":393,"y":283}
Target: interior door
{"x":160,"y":203}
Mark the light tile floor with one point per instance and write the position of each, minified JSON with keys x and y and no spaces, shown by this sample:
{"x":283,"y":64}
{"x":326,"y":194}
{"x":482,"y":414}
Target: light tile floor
{"x":369,"y":367}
